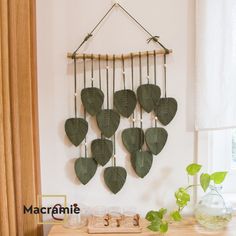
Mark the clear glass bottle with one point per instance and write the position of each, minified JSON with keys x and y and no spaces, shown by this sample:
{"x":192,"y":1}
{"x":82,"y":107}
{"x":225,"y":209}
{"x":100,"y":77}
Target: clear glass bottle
{"x":213,"y":212}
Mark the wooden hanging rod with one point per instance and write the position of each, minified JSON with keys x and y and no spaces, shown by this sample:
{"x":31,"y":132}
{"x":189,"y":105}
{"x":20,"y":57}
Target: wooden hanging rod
{"x":118,"y":57}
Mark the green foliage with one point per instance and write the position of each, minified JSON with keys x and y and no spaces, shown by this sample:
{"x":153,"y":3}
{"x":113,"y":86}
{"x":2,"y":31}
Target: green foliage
{"x":157,"y":218}
{"x":164,"y":227}
{"x":205,"y":181}
{"x":154,"y":226}
{"x":175,"y":215}
{"x":182,"y":197}
{"x":156,"y":215}
{"x":193,"y":169}
{"x":218,"y":177}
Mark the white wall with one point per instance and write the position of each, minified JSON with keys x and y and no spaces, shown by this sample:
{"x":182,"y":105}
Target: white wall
{"x":61,"y":25}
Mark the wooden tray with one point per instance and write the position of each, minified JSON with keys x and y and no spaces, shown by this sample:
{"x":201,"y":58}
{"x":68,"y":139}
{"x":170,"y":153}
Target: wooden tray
{"x":111,"y":225}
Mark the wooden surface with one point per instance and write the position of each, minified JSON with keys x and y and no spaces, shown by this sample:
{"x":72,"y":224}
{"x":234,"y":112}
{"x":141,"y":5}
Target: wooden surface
{"x":19,"y":142}
{"x":185,"y":228}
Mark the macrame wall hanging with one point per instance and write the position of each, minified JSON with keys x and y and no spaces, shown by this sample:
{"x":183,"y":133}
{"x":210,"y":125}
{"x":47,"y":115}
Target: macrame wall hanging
{"x":148,"y":96}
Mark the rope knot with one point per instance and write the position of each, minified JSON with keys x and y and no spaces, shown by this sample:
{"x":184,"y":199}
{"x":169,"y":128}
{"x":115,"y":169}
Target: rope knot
{"x":153,"y":38}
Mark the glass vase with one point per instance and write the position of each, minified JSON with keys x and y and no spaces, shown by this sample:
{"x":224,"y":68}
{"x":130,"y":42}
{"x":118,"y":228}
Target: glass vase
{"x":212,"y":211}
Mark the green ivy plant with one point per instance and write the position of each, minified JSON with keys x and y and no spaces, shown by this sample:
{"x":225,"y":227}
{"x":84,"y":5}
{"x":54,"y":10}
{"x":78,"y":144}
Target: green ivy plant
{"x":159,"y":220}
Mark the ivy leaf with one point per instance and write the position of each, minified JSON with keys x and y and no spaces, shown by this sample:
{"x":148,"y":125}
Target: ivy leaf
{"x":175,"y":215}
{"x":155,"y":226}
{"x":218,"y":177}
{"x":193,"y":169}
{"x":152,"y":216}
{"x":156,"y":215}
{"x":182,"y":197}
{"x":162,"y":212}
{"x":205,"y":181}
{"x":164,"y":227}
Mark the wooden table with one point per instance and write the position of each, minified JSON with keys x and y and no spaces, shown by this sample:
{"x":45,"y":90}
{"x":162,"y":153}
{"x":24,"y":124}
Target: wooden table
{"x":187,"y":227}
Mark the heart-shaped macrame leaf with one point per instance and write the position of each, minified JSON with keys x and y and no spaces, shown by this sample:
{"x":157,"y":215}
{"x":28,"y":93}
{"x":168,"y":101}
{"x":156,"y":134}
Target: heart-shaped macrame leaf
{"x":148,"y":96}
{"x":102,"y":150}
{"x":125,"y":102}
{"x":166,"y":110}
{"x":92,"y":99}
{"x":156,"y":139}
{"x":76,"y":130}
{"x":133,"y":139}
{"x":142,"y":162}
{"x":115,"y":178}
{"x":85,"y":169}
{"x":108,"y":121}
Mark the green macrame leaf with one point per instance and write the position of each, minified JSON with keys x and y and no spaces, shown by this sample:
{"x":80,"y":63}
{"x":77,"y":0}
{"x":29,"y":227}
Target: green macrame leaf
{"x":115,"y":178}
{"x":85,"y":169}
{"x":142,"y":162}
{"x":156,"y":139}
{"x":166,"y":110}
{"x":125,"y":102}
{"x":133,"y":139}
{"x":92,"y":99}
{"x":102,"y":150}
{"x":108,"y":121}
{"x":148,"y":96}
{"x":76,"y":130}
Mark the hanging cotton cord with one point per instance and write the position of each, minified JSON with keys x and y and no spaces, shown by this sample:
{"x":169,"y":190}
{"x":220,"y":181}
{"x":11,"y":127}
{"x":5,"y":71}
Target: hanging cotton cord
{"x":123,"y":70}
{"x":114,"y":88}
{"x":99,"y":71}
{"x":91,"y":33}
{"x":165,"y":75}
{"x":75,"y":87}
{"x":140,"y":81}
{"x":85,"y":140}
{"x":92,"y":79}
{"x":152,"y":37}
{"x":107,"y":79}
{"x":132,"y":83}
{"x":155,"y":77}
{"x":148,"y":73}
{"x":155,"y":67}
{"x":100,"y":79}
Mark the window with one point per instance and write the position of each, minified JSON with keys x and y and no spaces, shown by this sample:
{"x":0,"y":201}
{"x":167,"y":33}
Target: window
{"x":234,"y":149}
{"x":217,"y":152}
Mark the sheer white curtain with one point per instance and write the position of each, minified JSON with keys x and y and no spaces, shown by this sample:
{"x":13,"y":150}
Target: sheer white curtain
{"x":216,"y":64}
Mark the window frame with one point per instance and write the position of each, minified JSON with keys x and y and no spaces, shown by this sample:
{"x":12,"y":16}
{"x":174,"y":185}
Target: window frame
{"x":205,"y":153}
